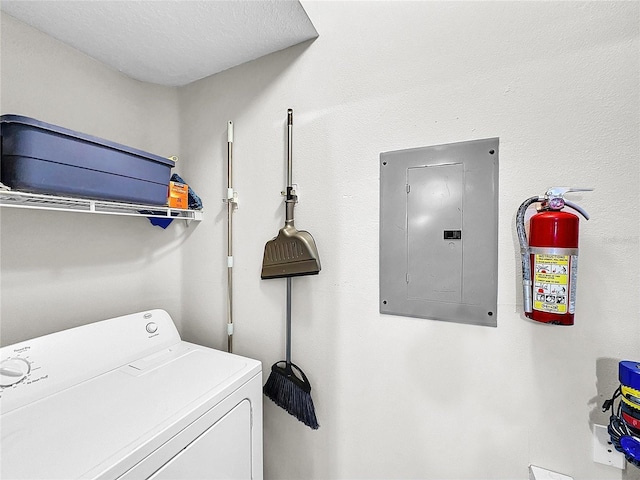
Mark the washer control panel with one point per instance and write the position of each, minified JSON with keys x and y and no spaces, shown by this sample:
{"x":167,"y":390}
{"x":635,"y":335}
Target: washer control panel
{"x":43,"y":366}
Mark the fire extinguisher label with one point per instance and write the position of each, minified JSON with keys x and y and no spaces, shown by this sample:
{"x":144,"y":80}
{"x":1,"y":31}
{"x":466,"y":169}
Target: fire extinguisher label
{"x":551,"y":283}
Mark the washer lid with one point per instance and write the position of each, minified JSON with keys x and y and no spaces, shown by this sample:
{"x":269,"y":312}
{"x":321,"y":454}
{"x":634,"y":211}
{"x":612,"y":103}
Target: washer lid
{"x":110,"y":422}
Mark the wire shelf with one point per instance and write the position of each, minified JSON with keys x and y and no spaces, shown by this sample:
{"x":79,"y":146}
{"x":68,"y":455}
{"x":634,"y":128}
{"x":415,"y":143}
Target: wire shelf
{"x":83,"y":205}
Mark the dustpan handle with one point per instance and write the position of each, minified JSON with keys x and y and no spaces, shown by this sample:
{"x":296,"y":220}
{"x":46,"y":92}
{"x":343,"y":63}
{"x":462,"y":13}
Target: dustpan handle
{"x":291,"y":199}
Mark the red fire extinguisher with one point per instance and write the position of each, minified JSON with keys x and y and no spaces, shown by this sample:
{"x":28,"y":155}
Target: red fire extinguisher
{"x":550,"y":257}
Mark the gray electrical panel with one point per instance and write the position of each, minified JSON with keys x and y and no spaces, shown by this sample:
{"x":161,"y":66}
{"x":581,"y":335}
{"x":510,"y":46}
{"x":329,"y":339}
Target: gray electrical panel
{"x":439,"y":232}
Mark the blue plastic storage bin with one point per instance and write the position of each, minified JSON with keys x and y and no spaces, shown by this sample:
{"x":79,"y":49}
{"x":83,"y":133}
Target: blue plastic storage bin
{"x":38,"y":157}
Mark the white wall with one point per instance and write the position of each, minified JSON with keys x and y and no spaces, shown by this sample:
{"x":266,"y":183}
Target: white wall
{"x":396,"y":397}
{"x":59,"y":270}
{"x":411,"y":398}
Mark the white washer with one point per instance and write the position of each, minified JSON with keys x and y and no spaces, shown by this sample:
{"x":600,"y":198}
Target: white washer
{"x":126,"y":398}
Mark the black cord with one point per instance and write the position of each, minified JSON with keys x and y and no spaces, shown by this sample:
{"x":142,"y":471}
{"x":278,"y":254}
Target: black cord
{"x":609,"y":403}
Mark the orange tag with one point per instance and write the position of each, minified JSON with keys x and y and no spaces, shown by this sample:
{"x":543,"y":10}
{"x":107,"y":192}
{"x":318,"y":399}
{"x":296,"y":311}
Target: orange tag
{"x":178,"y":195}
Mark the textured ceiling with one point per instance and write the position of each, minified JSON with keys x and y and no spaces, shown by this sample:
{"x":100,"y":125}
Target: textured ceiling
{"x":169,"y":42}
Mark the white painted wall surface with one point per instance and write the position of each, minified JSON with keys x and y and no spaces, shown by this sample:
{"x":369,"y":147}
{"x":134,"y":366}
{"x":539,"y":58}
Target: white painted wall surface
{"x":60,"y":270}
{"x":396,"y":397}
{"x":411,"y":398}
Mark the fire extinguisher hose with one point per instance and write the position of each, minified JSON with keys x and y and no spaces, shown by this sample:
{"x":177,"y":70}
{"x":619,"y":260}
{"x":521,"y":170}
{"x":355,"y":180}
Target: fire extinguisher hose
{"x":577,"y":208}
{"x":524,"y":251}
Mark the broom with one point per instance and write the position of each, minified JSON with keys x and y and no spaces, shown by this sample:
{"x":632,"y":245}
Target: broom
{"x":291,"y":253}
{"x":287,"y":390}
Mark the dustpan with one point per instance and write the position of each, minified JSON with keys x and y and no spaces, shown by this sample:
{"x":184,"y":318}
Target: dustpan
{"x":292,"y":252}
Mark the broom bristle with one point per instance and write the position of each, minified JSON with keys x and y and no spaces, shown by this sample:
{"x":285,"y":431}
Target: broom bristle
{"x":290,"y":396}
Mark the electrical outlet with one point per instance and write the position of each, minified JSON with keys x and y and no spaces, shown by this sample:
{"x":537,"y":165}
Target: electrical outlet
{"x":603,"y":450}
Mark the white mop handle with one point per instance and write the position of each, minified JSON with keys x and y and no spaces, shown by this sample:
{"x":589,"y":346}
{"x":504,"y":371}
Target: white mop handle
{"x":230,"y":132}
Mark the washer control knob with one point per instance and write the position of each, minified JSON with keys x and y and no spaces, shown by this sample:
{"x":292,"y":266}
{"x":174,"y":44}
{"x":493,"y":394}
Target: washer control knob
{"x":13,"y":370}
{"x":152,"y":327}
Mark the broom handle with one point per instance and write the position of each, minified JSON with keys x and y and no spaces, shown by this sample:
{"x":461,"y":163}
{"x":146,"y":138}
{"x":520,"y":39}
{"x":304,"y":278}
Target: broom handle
{"x":290,"y":202}
{"x":288,"y":351}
